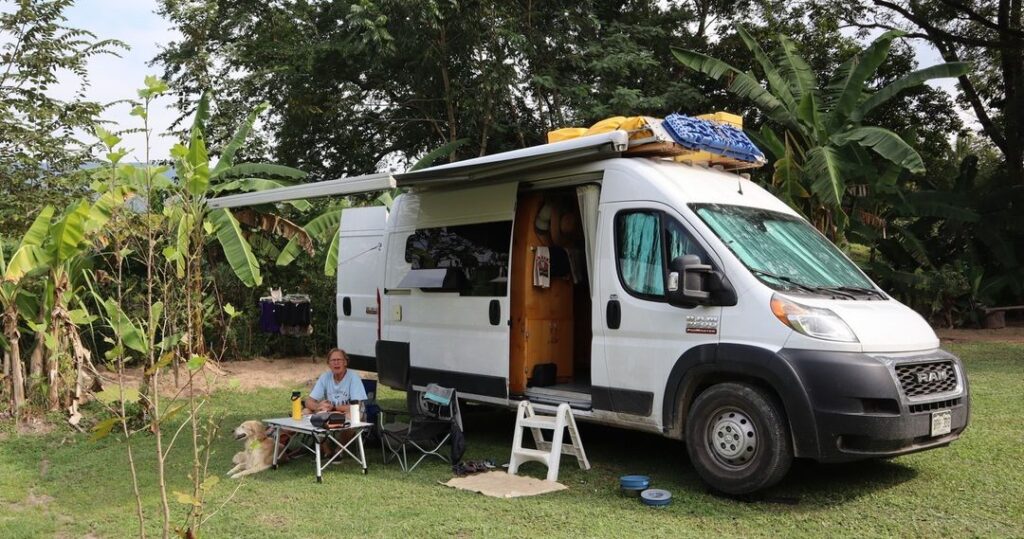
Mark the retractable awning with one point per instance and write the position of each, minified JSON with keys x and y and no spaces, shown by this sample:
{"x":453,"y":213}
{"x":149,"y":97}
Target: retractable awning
{"x":508,"y":165}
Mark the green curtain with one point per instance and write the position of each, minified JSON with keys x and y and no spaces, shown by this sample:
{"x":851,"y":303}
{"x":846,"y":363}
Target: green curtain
{"x":640,"y":260}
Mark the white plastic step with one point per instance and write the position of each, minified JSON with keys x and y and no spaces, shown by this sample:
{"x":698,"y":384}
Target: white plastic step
{"x":549,"y":453}
{"x":533,"y":453}
{"x":540,"y":422}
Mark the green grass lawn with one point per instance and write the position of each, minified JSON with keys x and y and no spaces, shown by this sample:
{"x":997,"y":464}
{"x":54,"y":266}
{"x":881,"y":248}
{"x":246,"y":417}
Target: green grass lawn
{"x":62,"y":484}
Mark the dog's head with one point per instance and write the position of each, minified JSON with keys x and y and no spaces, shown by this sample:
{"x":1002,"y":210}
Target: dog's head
{"x":250,"y":430}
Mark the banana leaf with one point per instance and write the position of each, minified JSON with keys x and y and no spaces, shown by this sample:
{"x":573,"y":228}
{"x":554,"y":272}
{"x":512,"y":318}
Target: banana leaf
{"x":949,"y":69}
{"x":236,"y":249}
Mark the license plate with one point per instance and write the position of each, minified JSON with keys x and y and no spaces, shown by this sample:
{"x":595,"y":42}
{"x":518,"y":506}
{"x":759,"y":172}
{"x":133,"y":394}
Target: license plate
{"x":942,"y":422}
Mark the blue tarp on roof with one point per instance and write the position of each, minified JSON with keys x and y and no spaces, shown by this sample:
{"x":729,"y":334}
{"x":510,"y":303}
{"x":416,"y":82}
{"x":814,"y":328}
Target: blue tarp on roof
{"x":705,"y":135}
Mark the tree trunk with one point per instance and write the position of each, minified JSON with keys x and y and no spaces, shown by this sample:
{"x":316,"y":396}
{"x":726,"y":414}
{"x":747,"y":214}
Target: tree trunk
{"x":53,"y":374}
{"x":17,"y":369}
{"x":35,"y":369}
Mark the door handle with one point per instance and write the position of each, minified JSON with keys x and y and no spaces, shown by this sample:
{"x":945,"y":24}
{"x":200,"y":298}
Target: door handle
{"x":494,"y":312}
{"x":613,"y":314}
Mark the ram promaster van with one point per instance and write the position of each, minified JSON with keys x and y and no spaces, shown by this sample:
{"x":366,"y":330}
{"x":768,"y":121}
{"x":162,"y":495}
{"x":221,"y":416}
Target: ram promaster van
{"x":646,"y":293}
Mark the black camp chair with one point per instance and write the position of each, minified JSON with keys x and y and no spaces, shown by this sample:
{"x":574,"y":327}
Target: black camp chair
{"x":425,"y":430}
{"x":431,"y":421}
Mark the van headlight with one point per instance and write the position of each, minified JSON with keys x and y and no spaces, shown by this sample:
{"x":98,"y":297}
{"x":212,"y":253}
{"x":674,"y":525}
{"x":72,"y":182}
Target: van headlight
{"x":812,"y":321}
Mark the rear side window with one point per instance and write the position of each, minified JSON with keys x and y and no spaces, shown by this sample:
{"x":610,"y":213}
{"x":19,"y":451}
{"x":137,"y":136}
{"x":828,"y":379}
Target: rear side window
{"x":479,"y":251}
{"x":645,"y":241}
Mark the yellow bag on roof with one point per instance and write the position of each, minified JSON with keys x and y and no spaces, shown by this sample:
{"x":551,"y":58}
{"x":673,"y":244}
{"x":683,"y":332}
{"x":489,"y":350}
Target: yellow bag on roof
{"x":615,"y":123}
{"x":566,"y":133}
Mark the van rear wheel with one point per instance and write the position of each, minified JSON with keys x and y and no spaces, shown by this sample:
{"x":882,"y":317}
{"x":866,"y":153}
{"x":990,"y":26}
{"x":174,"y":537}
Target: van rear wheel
{"x":738,"y":439}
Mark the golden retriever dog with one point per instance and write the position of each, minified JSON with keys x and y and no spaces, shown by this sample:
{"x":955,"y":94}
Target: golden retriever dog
{"x":258,"y":453}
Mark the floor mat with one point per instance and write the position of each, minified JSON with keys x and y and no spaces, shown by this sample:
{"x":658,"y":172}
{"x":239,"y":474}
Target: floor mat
{"x":499,"y":484}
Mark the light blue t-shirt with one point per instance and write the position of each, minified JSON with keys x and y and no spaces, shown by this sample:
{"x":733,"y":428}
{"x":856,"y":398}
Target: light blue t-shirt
{"x":350,"y":388}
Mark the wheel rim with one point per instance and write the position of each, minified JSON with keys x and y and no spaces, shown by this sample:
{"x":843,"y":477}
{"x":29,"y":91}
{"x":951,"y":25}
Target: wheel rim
{"x":731,"y":438}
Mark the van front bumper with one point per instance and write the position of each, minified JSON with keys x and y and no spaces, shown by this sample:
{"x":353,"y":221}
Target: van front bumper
{"x":878,"y":405}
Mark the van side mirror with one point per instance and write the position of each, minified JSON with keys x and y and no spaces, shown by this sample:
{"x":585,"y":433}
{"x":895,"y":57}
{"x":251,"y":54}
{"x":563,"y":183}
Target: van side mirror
{"x":691,"y":283}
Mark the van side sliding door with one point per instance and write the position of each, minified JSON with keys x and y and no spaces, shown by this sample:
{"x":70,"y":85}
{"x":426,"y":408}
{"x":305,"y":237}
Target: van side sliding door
{"x":447,"y":289}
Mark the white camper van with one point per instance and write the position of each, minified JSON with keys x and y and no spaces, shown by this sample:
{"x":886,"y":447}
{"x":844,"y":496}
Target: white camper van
{"x":647,"y":294}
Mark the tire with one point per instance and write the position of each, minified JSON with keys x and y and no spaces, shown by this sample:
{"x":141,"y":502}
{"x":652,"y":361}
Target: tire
{"x":753,"y":447}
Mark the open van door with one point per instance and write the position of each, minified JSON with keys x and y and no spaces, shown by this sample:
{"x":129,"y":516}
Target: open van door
{"x":446,"y":297}
{"x":360,"y":263}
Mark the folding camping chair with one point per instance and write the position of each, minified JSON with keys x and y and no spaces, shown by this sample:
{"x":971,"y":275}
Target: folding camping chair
{"x":433,"y":422}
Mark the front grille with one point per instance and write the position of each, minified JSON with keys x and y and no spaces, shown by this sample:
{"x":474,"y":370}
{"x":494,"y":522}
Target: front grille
{"x":922,"y":379}
{"x":941,"y":405}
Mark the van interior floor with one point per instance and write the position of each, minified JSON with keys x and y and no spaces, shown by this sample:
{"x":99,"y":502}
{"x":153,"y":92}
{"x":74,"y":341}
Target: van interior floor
{"x":576,"y":394}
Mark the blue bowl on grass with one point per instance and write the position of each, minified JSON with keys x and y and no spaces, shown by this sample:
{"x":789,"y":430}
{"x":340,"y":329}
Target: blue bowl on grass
{"x":634,"y":482}
{"x":656,"y":497}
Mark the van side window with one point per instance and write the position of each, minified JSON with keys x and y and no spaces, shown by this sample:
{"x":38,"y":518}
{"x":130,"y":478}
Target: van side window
{"x":481,"y":251}
{"x":639,"y":252}
{"x":680,"y":242}
{"x":642,"y":261}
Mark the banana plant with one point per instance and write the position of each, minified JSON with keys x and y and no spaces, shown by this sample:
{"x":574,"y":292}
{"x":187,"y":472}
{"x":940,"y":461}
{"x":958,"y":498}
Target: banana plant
{"x":28,"y":258}
{"x":815,"y":133}
{"x":199,"y":180}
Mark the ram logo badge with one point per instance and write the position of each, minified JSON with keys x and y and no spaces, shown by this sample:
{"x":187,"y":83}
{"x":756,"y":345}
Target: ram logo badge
{"x":932,"y":376}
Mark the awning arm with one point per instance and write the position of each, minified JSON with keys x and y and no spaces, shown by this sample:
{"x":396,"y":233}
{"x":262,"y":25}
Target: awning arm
{"x":344,"y":186}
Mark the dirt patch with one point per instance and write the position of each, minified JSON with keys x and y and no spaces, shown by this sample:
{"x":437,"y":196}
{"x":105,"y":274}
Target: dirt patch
{"x":243,"y":375}
{"x":259,"y":373}
{"x":33,"y":500}
{"x":34,"y":426}
{"x":1014,"y":334}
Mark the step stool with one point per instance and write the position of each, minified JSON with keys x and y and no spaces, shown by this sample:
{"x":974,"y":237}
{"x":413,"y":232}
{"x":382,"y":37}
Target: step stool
{"x":548,"y":453}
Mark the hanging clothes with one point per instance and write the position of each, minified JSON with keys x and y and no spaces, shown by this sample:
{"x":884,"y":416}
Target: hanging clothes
{"x":269,"y":316}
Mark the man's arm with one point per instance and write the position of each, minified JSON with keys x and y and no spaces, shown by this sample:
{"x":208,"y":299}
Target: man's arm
{"x":317,"y":399}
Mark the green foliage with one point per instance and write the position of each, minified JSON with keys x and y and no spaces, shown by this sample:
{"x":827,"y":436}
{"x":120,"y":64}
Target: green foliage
{"x":236,"y":248}
{"x":40,"y":153}
{"x":825,"y":142}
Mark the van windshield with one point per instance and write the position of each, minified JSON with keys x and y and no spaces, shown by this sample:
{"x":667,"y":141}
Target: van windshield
{"x":785,"y":252}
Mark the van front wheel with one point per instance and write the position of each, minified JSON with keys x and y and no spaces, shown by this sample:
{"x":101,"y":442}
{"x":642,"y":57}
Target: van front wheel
{"x":737,"y":438}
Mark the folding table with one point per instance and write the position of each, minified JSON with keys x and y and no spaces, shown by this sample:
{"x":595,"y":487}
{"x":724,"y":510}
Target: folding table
{"x":319,"y":435}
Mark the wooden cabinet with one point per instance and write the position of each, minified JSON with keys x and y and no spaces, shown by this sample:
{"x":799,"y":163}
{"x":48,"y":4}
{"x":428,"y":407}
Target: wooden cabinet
{"x":542,"y":318}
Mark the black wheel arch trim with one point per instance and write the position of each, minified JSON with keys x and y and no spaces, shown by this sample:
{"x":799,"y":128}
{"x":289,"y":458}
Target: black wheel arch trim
{"x":738,"y":362}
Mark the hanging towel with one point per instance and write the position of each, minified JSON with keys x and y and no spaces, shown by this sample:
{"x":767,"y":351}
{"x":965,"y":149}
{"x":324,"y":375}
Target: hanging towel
{"x":268,"y":317}
{"x":542,"y":268}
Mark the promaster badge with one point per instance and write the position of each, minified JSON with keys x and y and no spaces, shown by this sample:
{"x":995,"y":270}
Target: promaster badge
{"x":707,"y":325}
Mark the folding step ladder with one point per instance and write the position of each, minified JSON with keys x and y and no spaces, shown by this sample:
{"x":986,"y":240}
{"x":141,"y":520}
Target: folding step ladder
{"x":548,"y":453}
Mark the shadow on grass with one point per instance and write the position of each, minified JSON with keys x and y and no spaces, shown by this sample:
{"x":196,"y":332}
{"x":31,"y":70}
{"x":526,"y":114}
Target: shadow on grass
{"x":614,"y":452}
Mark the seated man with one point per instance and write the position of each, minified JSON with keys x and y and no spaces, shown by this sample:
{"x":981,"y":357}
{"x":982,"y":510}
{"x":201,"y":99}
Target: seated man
{"x":337,"y":388}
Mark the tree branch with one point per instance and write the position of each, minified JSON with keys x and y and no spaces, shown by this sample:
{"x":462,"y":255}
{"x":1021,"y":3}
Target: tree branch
{"x":923,"y":23}
{"x":980,"y":19}
{"x":949,"y":55}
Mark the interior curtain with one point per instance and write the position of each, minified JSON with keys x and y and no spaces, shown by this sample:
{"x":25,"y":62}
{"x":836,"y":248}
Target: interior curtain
{"x":588,"y":197}
{"x":640,"y":253}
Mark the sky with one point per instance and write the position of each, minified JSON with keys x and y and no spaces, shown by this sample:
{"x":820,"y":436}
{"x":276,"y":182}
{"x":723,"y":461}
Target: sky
{"x":136,"y":23}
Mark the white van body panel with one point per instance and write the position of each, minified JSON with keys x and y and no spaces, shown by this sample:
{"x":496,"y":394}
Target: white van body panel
{"x":360,"y":261}
{"x":445,"y":331}
{"x":880,"y":326}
